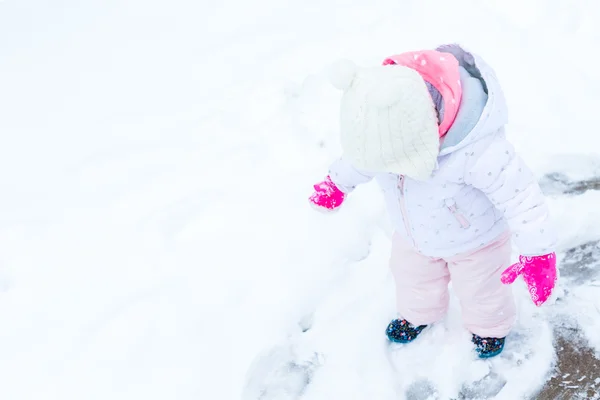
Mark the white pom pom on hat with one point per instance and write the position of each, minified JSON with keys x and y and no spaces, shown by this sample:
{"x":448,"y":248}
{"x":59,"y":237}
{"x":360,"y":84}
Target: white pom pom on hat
{"x":342,"y":73}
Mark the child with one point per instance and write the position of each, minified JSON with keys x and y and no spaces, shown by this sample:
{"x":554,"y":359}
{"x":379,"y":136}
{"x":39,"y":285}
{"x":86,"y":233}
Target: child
{"x":429,"y":126}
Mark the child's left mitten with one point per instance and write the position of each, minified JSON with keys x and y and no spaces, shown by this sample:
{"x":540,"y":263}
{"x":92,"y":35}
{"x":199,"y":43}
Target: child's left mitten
{"x":539,"y":274}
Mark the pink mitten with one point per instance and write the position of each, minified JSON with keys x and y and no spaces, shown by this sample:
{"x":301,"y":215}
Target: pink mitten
{"x":539,"y":273}
{"x":327,"y":196}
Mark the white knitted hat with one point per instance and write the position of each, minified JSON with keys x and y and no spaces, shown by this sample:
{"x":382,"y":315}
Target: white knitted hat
{"x":388,"y":119}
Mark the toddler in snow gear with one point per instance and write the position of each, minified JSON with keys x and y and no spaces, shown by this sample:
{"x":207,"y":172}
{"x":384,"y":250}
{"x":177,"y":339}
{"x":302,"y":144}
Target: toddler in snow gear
{"x":429,"y":126}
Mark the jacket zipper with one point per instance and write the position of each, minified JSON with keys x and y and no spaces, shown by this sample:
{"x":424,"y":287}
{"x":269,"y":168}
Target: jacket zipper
{"x":462,"y":220}
{"x":403,"y":210}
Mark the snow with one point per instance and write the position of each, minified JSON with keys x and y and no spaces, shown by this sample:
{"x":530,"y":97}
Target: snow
{"x":155,"y":238}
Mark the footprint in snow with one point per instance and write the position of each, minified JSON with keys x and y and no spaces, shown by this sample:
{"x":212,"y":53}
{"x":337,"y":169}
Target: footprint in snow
{"x":278,"y":374}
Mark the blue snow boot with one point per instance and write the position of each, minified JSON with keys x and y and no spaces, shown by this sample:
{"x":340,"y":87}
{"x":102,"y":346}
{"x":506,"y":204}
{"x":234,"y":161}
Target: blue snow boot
{"x":487,"y":347}
{"x":402,"y":331}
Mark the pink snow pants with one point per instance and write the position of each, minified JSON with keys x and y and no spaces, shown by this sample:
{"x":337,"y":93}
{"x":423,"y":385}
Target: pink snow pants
{"x":488,"y":307}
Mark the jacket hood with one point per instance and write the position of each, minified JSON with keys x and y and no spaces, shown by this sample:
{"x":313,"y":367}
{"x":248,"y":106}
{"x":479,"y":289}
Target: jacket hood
{"x":483,"y":109}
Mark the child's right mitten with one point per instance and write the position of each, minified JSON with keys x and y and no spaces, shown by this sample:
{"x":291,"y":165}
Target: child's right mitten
{"x":327,"y":196}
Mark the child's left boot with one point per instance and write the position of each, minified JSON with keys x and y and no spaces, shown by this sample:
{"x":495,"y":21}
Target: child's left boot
{"x":487,"y":347}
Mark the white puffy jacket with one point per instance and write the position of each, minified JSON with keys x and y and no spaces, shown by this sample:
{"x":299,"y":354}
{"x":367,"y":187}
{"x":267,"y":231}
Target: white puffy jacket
{"x":480,"y":188}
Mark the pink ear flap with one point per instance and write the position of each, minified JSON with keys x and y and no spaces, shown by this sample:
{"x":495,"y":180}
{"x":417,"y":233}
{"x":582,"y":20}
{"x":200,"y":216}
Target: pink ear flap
{"x":442,"y":71}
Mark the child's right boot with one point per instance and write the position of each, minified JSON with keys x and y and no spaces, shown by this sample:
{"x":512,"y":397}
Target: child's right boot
{"x":402,"y":331}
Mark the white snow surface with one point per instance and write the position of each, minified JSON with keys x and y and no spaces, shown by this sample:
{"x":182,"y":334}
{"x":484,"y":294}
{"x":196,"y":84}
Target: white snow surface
{"x":155,"y":236}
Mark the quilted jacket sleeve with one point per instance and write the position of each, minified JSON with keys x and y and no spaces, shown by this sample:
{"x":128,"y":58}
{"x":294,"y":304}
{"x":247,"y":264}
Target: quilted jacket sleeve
{"x":496,"y":170}
{"x":346,"y":177}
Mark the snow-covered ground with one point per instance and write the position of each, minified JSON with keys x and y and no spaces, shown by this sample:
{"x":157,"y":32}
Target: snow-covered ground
{"x":155,"y":236}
